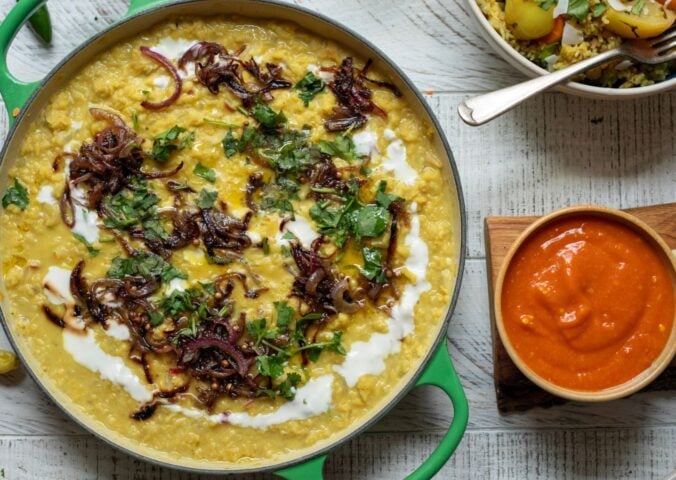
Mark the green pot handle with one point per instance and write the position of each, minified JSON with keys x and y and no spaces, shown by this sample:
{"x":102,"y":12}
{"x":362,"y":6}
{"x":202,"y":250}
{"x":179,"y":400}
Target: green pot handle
{"x":440,"y":373}
{"x":136,"y":6}
{"x":15,"y":92}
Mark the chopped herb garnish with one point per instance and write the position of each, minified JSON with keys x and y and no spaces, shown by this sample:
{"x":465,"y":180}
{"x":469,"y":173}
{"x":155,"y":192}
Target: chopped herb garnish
{"x":145,"y":265}
{"x":547,"y":4}
{"x":599,"y":9}
{"x":267,"y":117}
{"x":638,"y":7}
{"x":342,"y":146}
{"x":134,"y":119}
{"x":167,"y":142}
{"x":385,"y":199}
{"x":219,"y":123}
{"x":16,"y":195}
{"x":209,"y":174}
{"x":373,"y":265}
{"x":207,"y":198}
{"x":92,"y":251}
{"x":309,"y":87}
{"x":579,"y":9}
{"x":130,"y":207}
{"x":266,"y":246}
{"x":370,"y":221}
{"x":546,"y":52}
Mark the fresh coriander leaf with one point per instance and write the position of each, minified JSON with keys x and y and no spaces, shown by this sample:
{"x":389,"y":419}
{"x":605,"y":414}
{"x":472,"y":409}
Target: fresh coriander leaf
{"x":638,"y":7}
{"x":373,"y":265}
{"x":547,"y":51}
{"x":16,"y":195}
{"x":385,"y":199}
{"x":156,"y":318}
{"x":288,"y":236}
{"x":179,"y":301}
{"x":271,"y":365}
{"x":579,"y":9}
{"x":287,"y":388}
{"x":599,"y":9}
{"x":146,"y":265}
{"x":206,"y":173}
{"x":285,"y":316}
{"x":335,"y":345}
{"x":309,"y":87}
{"x":129,"y":207}
{"x":153,"y":230}
{"x":258,"y":330}
{"x":167,"y":142}
{"x":342,"y":146}
{"x":370,"y":221}
{"x":230,"y":144}
{"x":267,"y":117}
{"x":208,"y":287}
{"x":207,"y":198}
{"x":134,"y":119}
{"x":92,"y":251}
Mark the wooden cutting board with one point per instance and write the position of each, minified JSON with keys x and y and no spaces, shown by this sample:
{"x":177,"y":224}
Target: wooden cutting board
{"x":513,"y":390}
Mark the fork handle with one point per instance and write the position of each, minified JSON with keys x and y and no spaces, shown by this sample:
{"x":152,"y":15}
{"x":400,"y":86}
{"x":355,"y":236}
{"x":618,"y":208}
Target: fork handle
{"x":478,"y":110}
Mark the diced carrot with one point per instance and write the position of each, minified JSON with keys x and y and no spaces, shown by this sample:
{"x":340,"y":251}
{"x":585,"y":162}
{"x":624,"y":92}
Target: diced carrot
{"x":556,"y":33}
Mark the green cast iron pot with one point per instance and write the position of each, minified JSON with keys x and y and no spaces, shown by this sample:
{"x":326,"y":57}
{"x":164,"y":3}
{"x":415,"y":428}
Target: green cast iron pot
{"x":25,"y":100}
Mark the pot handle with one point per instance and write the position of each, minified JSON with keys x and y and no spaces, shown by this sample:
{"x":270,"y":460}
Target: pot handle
{"x":440,"y":373}
{"x":15,"y":92}
{"x":135,"y":6}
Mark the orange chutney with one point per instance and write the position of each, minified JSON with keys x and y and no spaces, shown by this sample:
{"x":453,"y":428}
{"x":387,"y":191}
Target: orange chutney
{"x":588,"y":303}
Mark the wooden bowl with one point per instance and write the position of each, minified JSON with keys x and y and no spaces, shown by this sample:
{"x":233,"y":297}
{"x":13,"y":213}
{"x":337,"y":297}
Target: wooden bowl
{"x":630,"y":386}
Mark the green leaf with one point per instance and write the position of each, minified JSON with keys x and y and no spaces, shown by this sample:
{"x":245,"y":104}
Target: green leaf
{"x":638,"y":7}
{"x":134,"y":119}
{"x":271,"y":365}
{"x":370,"y":221}
{"x":267,"y":117}
{"x":16,"y":195}
{"x":145,"y":264}
{"x":599,"y":9}
{"x":178,"y":301}
{"x":579,"y":9}
{"x":385,"y":199}
{"x":258,"y":330}
{"x":153,"y":230}
{"x":92,"y":251}
{"x":342,"y":146}
{"x":230,"y":144}
{"x":207,"y":198}
{"x":547,"y":4}
{"x":546,"y":51}
{"x":129,"y":207}
{"x":309,"y":87}
{"x":287,"y":388}
{"x":156,"y":318}
{"x":206,"y":173}
{"x":373,"y":265}
{"x":285,"y":316}
{"x":167,"y":142}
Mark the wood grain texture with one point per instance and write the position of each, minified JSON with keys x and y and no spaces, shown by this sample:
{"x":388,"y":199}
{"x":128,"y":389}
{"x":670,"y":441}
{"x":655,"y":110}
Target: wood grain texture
{"x":514,"y":391}
{"x":552,"y":151}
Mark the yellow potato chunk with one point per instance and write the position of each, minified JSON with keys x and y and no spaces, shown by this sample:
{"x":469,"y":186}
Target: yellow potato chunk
{"x":528,"y":20}
{"x":650,"y":22}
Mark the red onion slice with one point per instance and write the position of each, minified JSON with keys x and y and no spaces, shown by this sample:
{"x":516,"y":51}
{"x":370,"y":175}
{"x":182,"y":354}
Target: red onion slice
{"x":178,"y":84}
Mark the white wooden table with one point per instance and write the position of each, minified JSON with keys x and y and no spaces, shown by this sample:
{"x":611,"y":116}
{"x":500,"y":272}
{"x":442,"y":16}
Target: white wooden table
{"x":553,"y":151}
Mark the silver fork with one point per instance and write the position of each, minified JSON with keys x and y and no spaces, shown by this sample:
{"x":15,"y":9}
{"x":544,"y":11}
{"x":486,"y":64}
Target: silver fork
{"x":484,"y":108}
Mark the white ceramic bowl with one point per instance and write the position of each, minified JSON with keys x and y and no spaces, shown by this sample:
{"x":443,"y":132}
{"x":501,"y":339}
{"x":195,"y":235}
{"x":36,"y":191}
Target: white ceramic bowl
{"x":509,"y":53}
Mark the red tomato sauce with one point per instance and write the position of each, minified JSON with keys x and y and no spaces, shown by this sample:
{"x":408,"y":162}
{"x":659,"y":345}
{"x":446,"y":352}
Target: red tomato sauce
{"x":588,"y":303}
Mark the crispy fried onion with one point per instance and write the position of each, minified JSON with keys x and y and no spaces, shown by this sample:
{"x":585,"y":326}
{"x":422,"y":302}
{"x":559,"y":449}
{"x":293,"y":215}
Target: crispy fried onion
{"x":216,"y":67}
{"x":316,"y":285}
{"x":178,"y":84}
{"x":104,"y":166}
{"x":355,"y":98}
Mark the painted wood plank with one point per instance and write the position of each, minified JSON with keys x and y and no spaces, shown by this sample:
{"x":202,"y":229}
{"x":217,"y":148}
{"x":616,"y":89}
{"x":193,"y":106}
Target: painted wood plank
{"x":586,"y":453}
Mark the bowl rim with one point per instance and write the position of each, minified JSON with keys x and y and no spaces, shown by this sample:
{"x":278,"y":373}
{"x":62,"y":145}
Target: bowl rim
{"x":525,"y":66}
{"x":632,"y":385}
